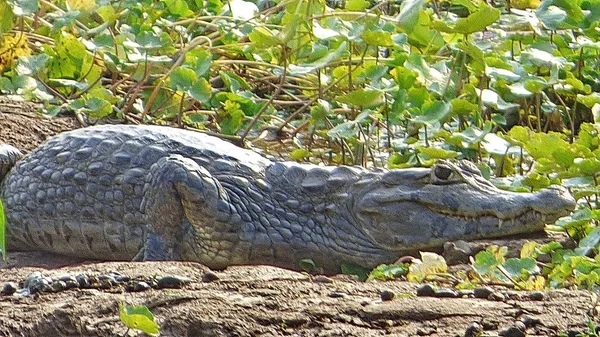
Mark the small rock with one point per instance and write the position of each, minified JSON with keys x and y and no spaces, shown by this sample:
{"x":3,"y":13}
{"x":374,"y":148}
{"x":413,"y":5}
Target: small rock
{"x":9,"y":288}
{"x":517,"y":330}
{"x":82,"y":280}
{"x":209,"y":276}
{"x":513,"y":295}
{"x":108,"y":278}
{"x":530,"y":321}
{"x":322,"y":279}
{"x":466,"y":293}
{"x":37,"y":282}
{"x":106,"y":281}
{"x":172,"y":282}
{"x":426,"y":290}
{"x":141,"y":286}
{"x":58,"y":286}
{"x":473,"y":330}
{"x":119,"y":278}
{"x":337,"y":294}
{"x":445,"y":292}
{"x":457,"y":252}
{"x":387,"y":295}
{"x":482,"y":292}
{"x":70,"y":281}
{"x":496,"y":296}
{"x":536,"y":296}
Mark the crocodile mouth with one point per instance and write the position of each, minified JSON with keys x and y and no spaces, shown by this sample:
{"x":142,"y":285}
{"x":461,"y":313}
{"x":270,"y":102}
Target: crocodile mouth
{"x":425,"y":227}
{"x":526,"y":219}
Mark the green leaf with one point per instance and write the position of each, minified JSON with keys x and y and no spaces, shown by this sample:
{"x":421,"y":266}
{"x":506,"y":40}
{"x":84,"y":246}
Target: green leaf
{"x":308,"y":265}
{"x":300,"y":154}
{"x":388,"y":272}
{"x":359,"y":272}
{"x":7,"y":17}
{"x":183,"y":79}
{"x":521,"y":268}
{"x":322,"y":62}
{"x":23,"y":7}
{"x":589,"y":100}
{"x":363,"y":98}
{"x":230,"y":118}
{"x":31,"y":65}
{"x":179,"y":8}
{"x":2,"y":231}
{"x":94,"y":107}
{"x":410,"y":10}
{"x":262,"y":37}
{"x":475,"y":22}
{"x":434,"y":112}
{"x":536,"y":180}
{"x":357,"y":5}
{"x":139,"y":318}
{"x":378,"y":38}
{"x":201,"y":90}
{"x":437,"y":153}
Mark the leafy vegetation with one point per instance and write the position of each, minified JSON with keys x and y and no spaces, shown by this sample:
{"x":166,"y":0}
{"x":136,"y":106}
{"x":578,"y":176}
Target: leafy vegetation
{"x":138,"y":317}
{"x":513,"y":88}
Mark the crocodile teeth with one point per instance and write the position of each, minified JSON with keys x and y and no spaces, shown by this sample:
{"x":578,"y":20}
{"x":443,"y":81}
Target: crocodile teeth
{"x":500,"y":222}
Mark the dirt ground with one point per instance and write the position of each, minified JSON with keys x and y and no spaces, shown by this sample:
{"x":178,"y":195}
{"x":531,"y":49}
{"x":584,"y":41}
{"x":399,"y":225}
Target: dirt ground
{"x":255,"y":300}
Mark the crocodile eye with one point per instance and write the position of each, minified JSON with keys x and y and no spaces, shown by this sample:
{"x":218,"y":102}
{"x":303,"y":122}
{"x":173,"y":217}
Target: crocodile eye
{"x":442,"y":173}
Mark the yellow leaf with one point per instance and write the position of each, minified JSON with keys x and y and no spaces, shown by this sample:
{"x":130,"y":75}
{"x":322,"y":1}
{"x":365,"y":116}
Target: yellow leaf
{"x":430,"y":263}
{"x":81,"y":5}
{"x":524,"y":4}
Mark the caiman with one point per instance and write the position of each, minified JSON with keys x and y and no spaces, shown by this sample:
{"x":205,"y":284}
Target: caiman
{"x":123,"y":192}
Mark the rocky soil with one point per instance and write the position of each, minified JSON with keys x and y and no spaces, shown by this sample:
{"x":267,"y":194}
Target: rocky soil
{"x":251,"y":300}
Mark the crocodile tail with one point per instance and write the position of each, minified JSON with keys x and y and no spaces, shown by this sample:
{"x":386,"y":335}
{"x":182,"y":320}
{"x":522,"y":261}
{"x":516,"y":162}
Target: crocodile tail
{"x":9,"y":155}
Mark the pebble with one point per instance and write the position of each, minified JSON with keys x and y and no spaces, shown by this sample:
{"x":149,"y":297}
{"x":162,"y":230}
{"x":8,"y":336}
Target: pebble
{"x":108,"y":280}
{"x":322,"y":279}
{"x":337,"y":294}
{"x":209,"y":276}
{"x":536,"y":296}
{"x":482,"y":292}
{"x":37,"y":282}
{"x":141,"y":286}
{"x":530,"y":321}
{"x":446,"y":292}
{"x":70,"y":281}
{"x":496,"y":296}
{"x":517,"y":330}
{"x":473,"y":330}
{"x":467,"y":293}
{"x":386,"y":295}
{"x":457,"y":252}
{"x":172,"y":282}
{"x":426,"y":290}
{"x":9,"y":288}
{"x":57,"y":286}
{"x":83,"y":280}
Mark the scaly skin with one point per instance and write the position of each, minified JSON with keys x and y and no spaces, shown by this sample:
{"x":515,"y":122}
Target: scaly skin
{"x":121,"y":192}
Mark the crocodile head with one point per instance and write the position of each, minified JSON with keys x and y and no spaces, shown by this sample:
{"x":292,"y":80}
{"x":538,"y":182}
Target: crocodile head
{"x":416,"y":209}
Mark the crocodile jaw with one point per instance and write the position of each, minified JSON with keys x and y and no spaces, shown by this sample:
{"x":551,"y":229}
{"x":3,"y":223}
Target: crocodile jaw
{"x":425,"y":215}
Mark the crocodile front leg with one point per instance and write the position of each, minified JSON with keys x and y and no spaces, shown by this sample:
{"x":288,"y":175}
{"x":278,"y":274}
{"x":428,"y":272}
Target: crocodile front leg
{"x":187,"y":213}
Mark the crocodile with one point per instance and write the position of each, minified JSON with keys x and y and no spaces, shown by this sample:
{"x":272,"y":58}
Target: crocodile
{"x":130,"y":192}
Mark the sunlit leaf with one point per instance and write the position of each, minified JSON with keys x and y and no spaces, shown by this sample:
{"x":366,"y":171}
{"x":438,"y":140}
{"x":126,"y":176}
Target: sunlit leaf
{"x":429,"y":264}
{"x":139,"y":318}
